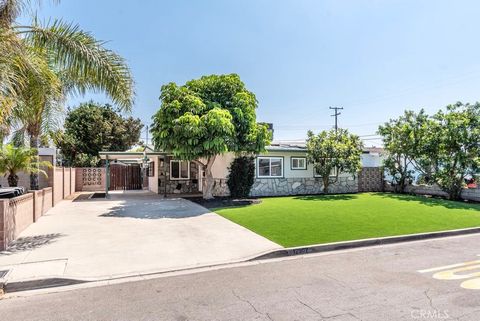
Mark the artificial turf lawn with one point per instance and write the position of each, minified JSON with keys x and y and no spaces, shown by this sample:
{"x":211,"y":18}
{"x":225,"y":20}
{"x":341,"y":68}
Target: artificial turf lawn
{"x":304,"y":220}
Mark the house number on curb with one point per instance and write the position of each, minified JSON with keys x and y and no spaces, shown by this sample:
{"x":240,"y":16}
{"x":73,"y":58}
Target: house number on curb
{"x":461,"y":271}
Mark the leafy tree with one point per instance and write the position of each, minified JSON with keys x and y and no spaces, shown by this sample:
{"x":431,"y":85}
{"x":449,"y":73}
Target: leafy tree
{"x":333,"y":152}
{"x":14,"y":160}
{"x":241,"y":176}
{"x":40,"y":64}
{"x":91,"y":128}
{"x":403,"y":140}
{"x":453,"y":139}
{"x":207,"y":117}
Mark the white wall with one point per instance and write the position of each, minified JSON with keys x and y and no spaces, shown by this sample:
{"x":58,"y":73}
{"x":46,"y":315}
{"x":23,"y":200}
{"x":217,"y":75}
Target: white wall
{"x":153,"y":181}
{"x":287,"y":171}
{"x":221,"y":165}
{"x":371,"y":160}
{"x":368,"y":160}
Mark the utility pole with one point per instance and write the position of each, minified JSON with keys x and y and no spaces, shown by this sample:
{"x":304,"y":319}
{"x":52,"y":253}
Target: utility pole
{"x":336,"y":114}
{"x":146,"y":140}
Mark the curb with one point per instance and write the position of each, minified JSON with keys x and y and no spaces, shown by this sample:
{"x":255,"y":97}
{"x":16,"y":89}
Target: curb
{"x":2,"y":288}
{"x":22,"y":286}
{"x":328,"y":247}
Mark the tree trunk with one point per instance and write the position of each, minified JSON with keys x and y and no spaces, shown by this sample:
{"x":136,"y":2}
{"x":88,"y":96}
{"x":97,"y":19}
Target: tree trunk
{"x":208,"y":190}
{"x":12,"y":180}
{"x":455,"y":191}
{"x":326,"y":183}
{"x":34,"y":185}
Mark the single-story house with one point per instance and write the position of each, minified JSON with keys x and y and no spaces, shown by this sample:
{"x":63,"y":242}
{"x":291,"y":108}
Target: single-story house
{"x":281,"y":170}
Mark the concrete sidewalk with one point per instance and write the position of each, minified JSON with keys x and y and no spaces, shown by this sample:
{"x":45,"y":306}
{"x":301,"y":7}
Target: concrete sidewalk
{"x":129,"y":234}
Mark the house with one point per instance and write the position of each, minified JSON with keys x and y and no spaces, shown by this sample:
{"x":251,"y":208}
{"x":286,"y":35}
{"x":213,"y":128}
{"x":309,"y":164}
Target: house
{"x":282,"y":170}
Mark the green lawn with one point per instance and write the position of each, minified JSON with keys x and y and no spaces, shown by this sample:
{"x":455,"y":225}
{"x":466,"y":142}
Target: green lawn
{"x":303,"y":220}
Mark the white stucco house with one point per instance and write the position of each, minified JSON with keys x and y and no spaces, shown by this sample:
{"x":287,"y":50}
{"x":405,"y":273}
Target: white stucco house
{"x":281,"y":170}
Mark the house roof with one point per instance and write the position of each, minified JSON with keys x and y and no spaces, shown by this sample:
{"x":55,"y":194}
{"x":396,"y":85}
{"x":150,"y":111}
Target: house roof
{"x":290,"y":146}
{"x":300,"y":146}
{"x":127,"y":155}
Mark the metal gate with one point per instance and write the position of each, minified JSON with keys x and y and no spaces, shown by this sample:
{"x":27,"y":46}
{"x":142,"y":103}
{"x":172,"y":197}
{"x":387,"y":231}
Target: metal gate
{"x":125,"y":177}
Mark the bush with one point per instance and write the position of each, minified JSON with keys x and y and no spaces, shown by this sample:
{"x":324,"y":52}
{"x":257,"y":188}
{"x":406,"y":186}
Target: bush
{"x":241,"y":176}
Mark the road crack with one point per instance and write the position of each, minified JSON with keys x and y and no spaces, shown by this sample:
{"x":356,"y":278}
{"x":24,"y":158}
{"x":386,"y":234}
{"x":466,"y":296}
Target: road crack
{"x":252,"y":306}
{"x":309,"y":307}
{"x":430,"y":302}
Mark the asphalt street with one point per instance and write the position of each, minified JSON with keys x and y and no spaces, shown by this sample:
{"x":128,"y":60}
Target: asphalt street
{"x":426,"y":280}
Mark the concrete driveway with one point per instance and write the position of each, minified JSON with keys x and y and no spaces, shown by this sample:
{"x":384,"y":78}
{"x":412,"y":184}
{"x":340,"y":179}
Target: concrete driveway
{"x":128,"y":234}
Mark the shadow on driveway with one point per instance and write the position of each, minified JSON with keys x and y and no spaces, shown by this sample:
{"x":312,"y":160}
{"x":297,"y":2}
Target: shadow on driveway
{"x":30,"y":243}
{"x":156,"y":209}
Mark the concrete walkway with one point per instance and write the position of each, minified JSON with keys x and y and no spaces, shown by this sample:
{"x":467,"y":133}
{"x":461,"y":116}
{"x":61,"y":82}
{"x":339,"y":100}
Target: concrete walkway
{"x":128,"y":234}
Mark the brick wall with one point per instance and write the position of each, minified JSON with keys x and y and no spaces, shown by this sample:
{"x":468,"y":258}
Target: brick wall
{"x":57,"y":185}
{"x":16,"y":215}
{"x":42,"y":202}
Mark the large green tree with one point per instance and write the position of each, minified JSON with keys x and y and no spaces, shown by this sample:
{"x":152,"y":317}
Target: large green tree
{"x":403,"y":141}
{"x":444,"y":147}
{"x":207,"y":117}
{"x":333,"y":152}
{"x":91,"y":128}
{"x":40,"y":64}
{"x":453,"y":141}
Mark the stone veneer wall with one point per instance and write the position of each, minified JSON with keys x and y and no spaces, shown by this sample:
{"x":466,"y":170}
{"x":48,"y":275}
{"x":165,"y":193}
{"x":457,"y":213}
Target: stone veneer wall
{"x":184,"y":186}
{"x":220,"y":187}
{"x":470,"y":194}
{"x":301,"y":186}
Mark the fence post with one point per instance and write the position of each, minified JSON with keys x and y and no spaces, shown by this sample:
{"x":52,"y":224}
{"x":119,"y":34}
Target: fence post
{"x":63,"y":183}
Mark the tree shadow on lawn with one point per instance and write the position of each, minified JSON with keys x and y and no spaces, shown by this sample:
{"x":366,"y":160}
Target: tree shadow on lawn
{"x":431,"y":201}
{"x":329,"y":197}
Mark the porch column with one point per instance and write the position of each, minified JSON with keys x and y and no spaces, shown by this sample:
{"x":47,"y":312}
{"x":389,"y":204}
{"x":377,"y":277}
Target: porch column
{"x":107,"y":177}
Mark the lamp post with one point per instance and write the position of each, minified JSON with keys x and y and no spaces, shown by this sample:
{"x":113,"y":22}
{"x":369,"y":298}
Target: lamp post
{"x":144,"y":166}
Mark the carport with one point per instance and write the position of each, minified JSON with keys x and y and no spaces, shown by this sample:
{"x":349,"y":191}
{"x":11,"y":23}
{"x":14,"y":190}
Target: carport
{"x":147,"y":161}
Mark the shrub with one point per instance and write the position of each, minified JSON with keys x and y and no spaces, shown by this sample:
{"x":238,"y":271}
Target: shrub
{"x":241,"y":176}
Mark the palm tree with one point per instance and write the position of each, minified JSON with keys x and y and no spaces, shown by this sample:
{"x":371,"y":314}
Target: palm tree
{"x":14,"y":160}
{"x":40,"y":64}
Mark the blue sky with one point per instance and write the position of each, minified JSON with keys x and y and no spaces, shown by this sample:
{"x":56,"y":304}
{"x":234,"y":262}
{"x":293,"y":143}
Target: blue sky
{"x":374,"y":58}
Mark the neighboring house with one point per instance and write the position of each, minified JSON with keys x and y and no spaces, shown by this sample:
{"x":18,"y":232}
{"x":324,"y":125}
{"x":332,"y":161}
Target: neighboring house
{"x":281,"y":170}
{"x":45,"y":154}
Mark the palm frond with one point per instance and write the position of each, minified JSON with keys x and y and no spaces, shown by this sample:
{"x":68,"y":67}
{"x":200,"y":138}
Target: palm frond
{"x":11,"y":9}
{"x":85,"y":62}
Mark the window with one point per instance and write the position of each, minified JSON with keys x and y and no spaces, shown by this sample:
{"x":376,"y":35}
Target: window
{"x":151,"y":169}
{"x":270,"y":167}
{"x":333,"y":172}
{"x":179,"y":169}
{"x":298,"y":163}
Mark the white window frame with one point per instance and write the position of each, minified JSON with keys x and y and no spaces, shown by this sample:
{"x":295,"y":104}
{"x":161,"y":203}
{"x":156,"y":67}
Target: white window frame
{"x":179,"y":170}
{"x":333,"y":172}
{"x":270,"y":166}
{"x":298,"y":158}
